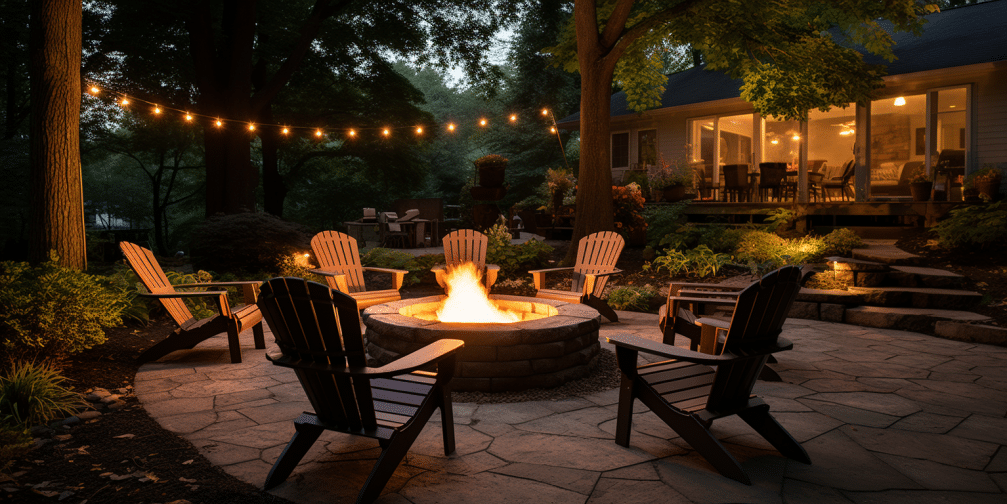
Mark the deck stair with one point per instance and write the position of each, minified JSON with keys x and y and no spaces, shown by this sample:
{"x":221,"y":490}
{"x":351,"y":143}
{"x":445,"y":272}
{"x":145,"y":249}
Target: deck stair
{"x":888,"y":291}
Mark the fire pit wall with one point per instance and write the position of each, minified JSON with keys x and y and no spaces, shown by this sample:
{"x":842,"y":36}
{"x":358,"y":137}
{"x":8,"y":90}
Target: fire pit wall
{"x":556,"y":343}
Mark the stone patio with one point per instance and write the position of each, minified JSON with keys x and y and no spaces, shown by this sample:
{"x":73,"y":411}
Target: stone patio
{"x":886,"y":416}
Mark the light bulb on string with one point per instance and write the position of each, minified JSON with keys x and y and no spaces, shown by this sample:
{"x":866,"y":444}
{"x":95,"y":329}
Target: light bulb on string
{"x":286,"y":130}
{"x":188,"y":117}
{"x":94,"y":90}
{"x":482,"y":121}
{"x":419,"y":130}
{"x":386,"y":132}
{"x":545,"y":111}
{"x":219,"y":123}
{"x":125,"y":101}
{"x":451,"y":127}
{"x":552,"y":129}
{"x":251,"y":127}
{"x":157,"y":110}
{"x":318,"y":133}
{"x":352,"y":133}
{"x":513,"y":118}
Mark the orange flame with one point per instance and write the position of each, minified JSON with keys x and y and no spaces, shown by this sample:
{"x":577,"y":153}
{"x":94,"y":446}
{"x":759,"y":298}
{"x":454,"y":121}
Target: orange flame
{"x":468,"y":301}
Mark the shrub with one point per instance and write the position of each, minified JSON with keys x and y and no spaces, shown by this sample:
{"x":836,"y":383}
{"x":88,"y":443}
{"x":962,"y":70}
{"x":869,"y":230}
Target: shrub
{"x":841,"y":242}
{"x":15,"y":442}
{"x":515,"y":260}
{"x":663,"y":220}
{"x":759,"y":247}
{"x":627,"y":202}
{"x":632,"y":298}
{"x":974,"y":225}
{"x":125,"y":282}
{"x":418,"y":267}
{"x":700,"y":261}
{"x":33,"y":394}
{"x":200,"y":306}
{"x":54,"y":310}
{"x":779,"y":218}
{"x":250,"y":242}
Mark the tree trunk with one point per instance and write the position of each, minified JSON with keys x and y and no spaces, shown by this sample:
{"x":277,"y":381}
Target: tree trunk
{"x":274,"y":190}
{"x":57,"y":199}
{"x":230,"y":177}
{"x":594,"y":181}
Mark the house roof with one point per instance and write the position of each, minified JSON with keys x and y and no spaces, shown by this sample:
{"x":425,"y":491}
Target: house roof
{"x":954,"y":37}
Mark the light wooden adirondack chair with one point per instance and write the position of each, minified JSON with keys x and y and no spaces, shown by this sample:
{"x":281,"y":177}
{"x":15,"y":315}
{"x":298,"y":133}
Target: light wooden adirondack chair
{"x":339,"y":262}
{"x":191,"y":331}
{"x":318,"y":332}
{"x":466,"y":245}
{"x":596,"y":257}
{"x":688,"y":394}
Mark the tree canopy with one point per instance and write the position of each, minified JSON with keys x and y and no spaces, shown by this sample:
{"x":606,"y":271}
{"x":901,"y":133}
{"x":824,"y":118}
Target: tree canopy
{"x":793,"y":55}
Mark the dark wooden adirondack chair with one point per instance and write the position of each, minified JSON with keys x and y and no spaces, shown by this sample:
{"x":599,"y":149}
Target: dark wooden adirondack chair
{"x":339,"y":262}
{"x":596,"y":257}
{"x":318,"y":332}
{"x":688,"y":394}
{"x":190,"y":330}
{"x":466,"y":245}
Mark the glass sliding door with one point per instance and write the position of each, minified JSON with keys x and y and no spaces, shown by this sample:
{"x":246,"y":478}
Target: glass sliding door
{"x":898,"y":144}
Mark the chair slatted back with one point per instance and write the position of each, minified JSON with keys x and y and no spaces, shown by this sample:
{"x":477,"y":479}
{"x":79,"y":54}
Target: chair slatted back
{"x":338,"y":252}
{"x":736,"y":176}
{"x":596,"y":253}
{"x":772,"y":174}
{"x":315,"y":324}
{"x":756,"y":323}
{"x":848,"y":170}
{"x":145,"y":265}
{"x":465,"y":245}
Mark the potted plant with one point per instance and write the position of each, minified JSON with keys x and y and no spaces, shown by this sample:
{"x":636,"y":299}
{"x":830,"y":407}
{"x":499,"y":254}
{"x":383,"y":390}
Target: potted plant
{"x":987,"y":181}
{"x":921,"y":184}
{"x":560,"y":182}
{"x":669,"y":180}
{"x":491,"y":170}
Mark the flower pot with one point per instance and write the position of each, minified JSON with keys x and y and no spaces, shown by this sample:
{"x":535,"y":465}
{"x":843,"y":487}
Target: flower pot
{"x":491,"y":174}
{"x":921,"y":190}
{"x":990,"y":188}
{"x":673,"y":193}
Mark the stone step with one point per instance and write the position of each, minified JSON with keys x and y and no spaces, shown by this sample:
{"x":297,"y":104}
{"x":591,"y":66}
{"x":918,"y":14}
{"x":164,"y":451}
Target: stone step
{"x":858,"y":271}
{"x":922,"y":320}
{"x":887,"y":254}
{"x":918,"y":297}
{"x":917,"y":276}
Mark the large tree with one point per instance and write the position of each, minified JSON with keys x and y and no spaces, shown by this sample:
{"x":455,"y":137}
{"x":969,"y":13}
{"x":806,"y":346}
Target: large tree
{"x":786,"y":52}
{"x":57,"y":217}
{"x":233,"y":60}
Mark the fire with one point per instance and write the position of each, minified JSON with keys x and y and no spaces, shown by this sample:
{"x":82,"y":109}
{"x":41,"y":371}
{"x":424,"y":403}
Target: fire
{"x":468,"y":301}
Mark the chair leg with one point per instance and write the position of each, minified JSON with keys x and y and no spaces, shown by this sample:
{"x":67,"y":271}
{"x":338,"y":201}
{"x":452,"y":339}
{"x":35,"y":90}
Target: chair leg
{"x":767,"y":426}
{"x":447,"y":421}
{"x":259,"y":336}
{"x":233,"y":344}
{"x":603,"y":308}
{"x":306,"y":433}
{"x":179,"y":340}
{"x":624,"y":417}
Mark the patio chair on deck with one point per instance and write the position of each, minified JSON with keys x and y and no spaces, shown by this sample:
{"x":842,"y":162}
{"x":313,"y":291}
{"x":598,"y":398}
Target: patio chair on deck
{"x":596,"y":257}
{"x":688,"y":395}
{"x":773,"y":181}
{"x":841,"y":182}
{"x":318,"y":332}
{"x":736,"y":182}
{"x":339,"y":262}
{"x":462,"y":246}
{"x":190,"y":330}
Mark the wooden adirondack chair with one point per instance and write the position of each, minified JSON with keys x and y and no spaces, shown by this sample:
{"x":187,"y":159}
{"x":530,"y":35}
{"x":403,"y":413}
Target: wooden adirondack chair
{"x":688,"y":395}
{"x":466,"y":245}
{"x":191,"y":331}
{"x":318,"y":332}
{"x":596,"y":257}
{"x":339,"y":262}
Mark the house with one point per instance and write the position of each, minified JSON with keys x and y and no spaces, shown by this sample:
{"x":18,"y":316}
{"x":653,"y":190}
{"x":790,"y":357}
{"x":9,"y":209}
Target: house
{"x":943,"y":109}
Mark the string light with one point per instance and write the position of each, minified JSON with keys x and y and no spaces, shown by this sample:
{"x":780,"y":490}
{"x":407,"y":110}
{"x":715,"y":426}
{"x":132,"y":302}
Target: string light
{"x":552,"y":129}
{"x":123,"y":100}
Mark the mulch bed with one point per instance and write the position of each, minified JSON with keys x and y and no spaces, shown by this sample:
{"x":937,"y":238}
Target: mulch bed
{"x":123,"y":455}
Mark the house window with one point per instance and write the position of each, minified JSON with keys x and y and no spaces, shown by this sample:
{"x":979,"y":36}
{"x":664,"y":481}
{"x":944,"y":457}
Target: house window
{"x":647,"y":148}
{"x":735,"y":139}
{"x":831,"y":137}
{"x":782,"y":142}
{"x":620,"y":150}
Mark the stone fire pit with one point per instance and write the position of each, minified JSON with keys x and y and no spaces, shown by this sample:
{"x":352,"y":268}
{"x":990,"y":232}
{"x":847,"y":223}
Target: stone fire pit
{"x":555,"y":342}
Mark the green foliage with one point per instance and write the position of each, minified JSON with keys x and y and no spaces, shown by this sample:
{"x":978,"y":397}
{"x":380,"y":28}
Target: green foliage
{"x":514,"y":260}
{"x":841,"y":242}
{"x":700,"y":261}
{"x":33,"y":394}
{"x":632,"y":298}
{"x":418,"y":267}
{"x":779,"y":218}
{"x":125,"y":282}
{"x":974,"y":225}
{"x":669,"y":174}
{"x":718,"y":238}
{"x":628,"y":202}
{"x":54,"y":311}
{"x":249,"y":241}
{"x":15,"y":442}
{"x":759,"y":247}
{"x":201,"y":307}
{"x":762,"y":250}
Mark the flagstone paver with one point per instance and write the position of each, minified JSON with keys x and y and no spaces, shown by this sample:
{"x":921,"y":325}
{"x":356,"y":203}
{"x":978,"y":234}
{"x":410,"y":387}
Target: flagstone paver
{"x":886,"y":416}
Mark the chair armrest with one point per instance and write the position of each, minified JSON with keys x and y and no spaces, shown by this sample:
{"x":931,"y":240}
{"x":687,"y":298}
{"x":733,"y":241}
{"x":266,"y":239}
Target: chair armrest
{"x":591,"y":279}
{"x":397,"y":275}
{"x":538,"y":276}
{"x":429,"y":354}
{"x":249,"y":291}
{"x":718,"y":323}
{"x":492,"y":272}
{"x":637,"y":343}
{"x":339,"y":278}
{"x":223,"y":307}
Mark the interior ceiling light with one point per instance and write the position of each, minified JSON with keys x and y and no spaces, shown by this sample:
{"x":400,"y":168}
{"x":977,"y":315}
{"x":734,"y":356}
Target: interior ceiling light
{"x":900,"y":101}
